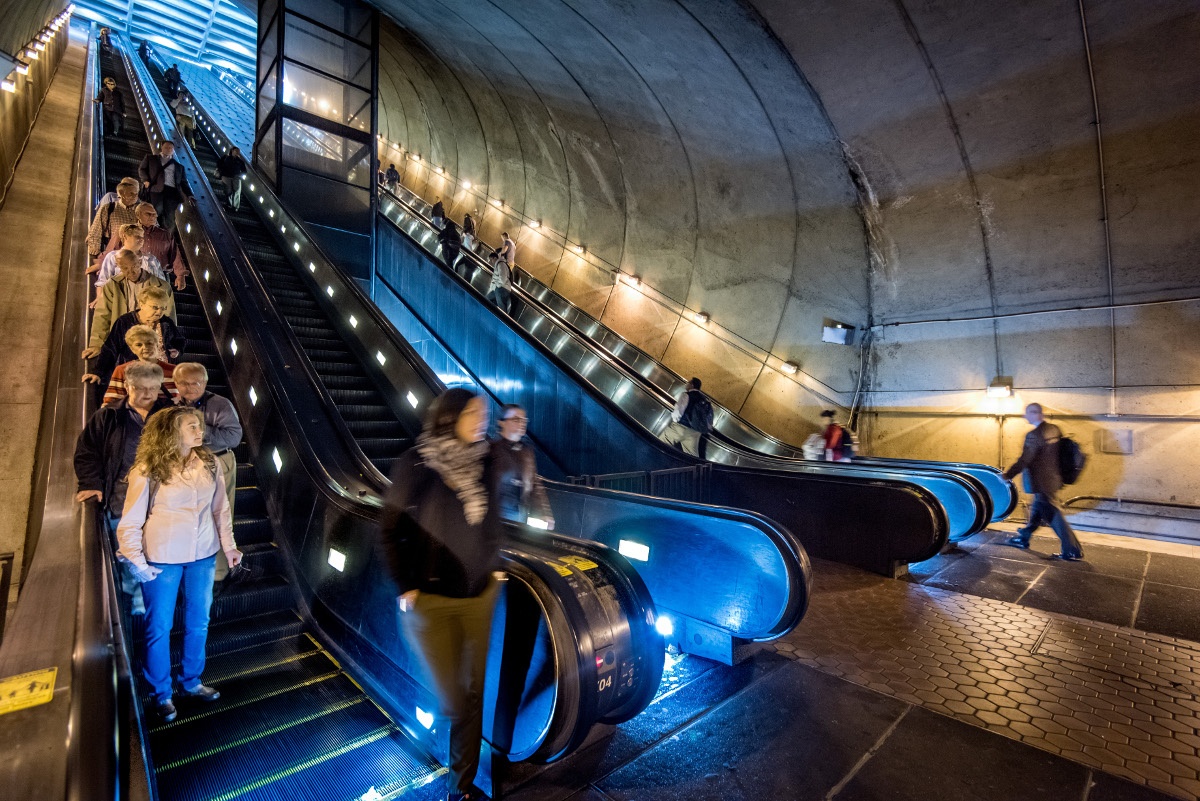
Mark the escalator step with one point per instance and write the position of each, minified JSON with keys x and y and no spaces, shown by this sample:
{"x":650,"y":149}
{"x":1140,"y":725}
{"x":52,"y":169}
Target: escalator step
{"x":375,"y":428}
{"x":383,"y":446}
{"x":234,"y":634}
{"x":249,"y":500}
{"x":231,"y":773}
{"x":247,"y":598}
{"x":326,"y":367}
{"x":356,"y":397}
{"x":226,"y":728}
{"x":248,"y":689}
{"x":356,"y":412}
{"x":258,"y":657}
{"x":248,"y":530}
{"x":392,"y":765}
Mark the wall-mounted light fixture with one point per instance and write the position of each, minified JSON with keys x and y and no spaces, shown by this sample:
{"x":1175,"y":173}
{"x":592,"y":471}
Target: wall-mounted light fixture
{"x":700,"y":317}
{"x":1001,"y":387}
{"x":8,"y":85}
{"x":791,"y":368}
{"x":535,"y":223}
{"x":22,"y":68}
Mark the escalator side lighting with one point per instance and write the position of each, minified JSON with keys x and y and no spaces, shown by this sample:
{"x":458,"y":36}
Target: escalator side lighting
{"x":537,"y":522}
{"x":283,"y":229}
{"x":379,"y":357}
{"x":425,"y":718}
{"x":664,"y":626}
{"x":206,"y":275}
{"x":277,"y":459}
{"x":270,"y":212}
{"x":251,"y":187}
{"x":233,"y":346}
{"x":188,"y":228}
{"x":353,"y":321}
{"x":337,"y":560}
{"x":253,"y":397}
{"x":296,"y":246}
{"x":329,"y":291}
{"x":196,"y":250}
{"x":219,"y":308}
{"x":412,"y":400}
{"x":312,"y":268}
{"x":634,"y":550}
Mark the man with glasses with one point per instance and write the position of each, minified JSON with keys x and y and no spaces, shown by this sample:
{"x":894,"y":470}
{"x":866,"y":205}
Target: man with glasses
{"x":222,"y":430}
{"x":515,"y":487}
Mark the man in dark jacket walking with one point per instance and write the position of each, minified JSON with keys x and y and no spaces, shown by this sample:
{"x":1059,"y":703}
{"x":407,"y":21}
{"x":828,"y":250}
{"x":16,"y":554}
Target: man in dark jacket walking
{"x":1039,"y":463}
{"x":113,"y":101}
{"x":451,"y":245}
{"x":164,"y":178}
{"x":512,"y":472}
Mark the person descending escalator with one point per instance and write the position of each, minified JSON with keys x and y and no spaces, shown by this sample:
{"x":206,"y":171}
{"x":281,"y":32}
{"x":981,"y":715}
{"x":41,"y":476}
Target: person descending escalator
{"x":176,"y":518}
{"x":512,"y":470}
{"x":839,"y":444}
{"x":392,"y":177}
{"x":500,"y":288}
{"x":451,"y":246}
{"x":231,"y":169}
{"x":691,"y":421}
{"x":113,"y":102}
{"x":437,"y":215}
{"x":440,"y":535}
{"x":173,"y":80}
{"x":468,"y":233}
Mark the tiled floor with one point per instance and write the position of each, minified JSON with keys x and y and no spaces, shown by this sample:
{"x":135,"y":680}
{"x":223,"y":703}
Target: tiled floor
{"x":1122,"y":701}
{"x":1152,"y":590}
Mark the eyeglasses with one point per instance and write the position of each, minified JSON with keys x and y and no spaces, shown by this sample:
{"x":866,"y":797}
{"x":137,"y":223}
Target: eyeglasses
{"x":515,"y":420}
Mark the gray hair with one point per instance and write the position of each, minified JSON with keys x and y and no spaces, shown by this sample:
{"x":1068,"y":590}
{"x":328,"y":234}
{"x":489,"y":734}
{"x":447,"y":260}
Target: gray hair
{"x":194,"y":368}
{"x":143,"y":374}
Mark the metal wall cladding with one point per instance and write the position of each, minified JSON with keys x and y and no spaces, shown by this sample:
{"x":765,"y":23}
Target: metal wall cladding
{"x":19,"y":109}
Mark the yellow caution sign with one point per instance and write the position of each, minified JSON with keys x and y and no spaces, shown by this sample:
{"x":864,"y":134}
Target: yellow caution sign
{"x":27,"y":689}
{"x":578,"y":562}
{"x":561,"y":570}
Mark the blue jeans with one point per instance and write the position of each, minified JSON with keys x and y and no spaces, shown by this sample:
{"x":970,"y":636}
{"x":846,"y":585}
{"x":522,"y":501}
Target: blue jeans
{"x":1044,"y":511}
{"x":161,"y":594}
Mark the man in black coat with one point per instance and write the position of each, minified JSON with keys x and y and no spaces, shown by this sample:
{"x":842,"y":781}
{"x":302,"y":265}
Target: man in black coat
{"x":165,"y":180}
{"x":107,"y":445}
{"x":1039,"y":463}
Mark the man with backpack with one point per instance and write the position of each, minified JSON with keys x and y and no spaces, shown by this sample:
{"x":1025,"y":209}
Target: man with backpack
{"x":1041,"y":462}
{"x":691,"y":421}
{"x":839,"y":445}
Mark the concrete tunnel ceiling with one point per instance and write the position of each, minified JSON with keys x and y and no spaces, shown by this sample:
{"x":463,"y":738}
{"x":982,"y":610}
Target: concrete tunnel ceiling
{"x":779,"y":162}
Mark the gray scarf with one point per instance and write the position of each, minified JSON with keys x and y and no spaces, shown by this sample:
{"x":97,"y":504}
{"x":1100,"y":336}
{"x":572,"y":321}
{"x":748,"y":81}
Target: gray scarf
{"x":460,"y":464}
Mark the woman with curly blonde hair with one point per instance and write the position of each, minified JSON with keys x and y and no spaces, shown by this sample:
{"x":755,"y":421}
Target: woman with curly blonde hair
{"x":175,"y":520}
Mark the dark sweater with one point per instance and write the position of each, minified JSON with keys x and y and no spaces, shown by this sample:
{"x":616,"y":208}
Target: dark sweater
{"x":116,"y":351}
{"x":426,"y":539}
{"x":103,"y":452}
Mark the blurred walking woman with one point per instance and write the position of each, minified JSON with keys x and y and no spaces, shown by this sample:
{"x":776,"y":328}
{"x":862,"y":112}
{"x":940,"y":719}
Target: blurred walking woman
{"x":441,"y":541}
{"x":176,"y":518}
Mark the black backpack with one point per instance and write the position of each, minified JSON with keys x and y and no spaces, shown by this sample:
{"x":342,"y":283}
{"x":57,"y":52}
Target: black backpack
{"x":698,"y":415}
{"x":1071,"y":460}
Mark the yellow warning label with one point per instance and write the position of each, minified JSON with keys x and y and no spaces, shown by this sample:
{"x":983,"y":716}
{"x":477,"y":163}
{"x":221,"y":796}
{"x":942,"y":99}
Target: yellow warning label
{"x":578,"y":561}
{"x":27,"y":689}
{"x":560,"y":569}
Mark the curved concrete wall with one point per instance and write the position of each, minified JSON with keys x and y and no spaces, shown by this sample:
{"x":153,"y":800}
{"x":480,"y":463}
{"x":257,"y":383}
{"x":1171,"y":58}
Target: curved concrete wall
{"x":775,"y":162}
{"x":675,"y":141}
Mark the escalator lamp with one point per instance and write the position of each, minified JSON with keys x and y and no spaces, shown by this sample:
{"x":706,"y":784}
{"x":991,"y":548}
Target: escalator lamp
{"x":353,"y":321}
{"x":425,"y":718}
{"x":664,"y":626}
{"x":206,"y":275}
{"x":253,"y":397}
{"x":312,"y":268}
{"x":337,"y":560}
{"x":196,"y":250}
{"x":379,"y":357}
{"x":188,"y":228}
{"x":277,"y":459}
{"x":233,"y":346}
{"x":412,"y":400}
{"x":220,"y":308}
{"x":537,"y":522}
{"x":634,"y":550}
{"x":283,"y":229}
{"x":296,"y":246}
{"x":329,"y":291}
{"x":270,"y":212}
{"x":251,"y":185}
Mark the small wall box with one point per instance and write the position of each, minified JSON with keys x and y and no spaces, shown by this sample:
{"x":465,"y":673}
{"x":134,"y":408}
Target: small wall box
{"x":1115,"y":440}
{"x":838,"y":333}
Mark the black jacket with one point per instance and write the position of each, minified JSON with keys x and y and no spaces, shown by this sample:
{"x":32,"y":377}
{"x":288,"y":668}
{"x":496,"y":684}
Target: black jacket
{"x":449,"y":236}
{"x":427,"y":541}
{"x":112,"y":99}
{"x":100,"y":452}
{"x":151,"y":170}
{"x":513,"y":483}
{"x":1039,"y":459}
{"x":115,"y":351}
{"x":438,"y":210}
{"x":230,"y":166}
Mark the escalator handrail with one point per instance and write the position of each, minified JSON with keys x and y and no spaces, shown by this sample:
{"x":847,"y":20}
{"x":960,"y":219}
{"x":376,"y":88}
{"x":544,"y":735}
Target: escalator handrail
{"x":64,"y":615}
{"x":612,"y":406}
{"x":788,"y":452}
{"x":240,"y":272}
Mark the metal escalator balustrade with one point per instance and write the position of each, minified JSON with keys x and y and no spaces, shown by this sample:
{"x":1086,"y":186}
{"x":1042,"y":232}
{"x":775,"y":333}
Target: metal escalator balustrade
{"x":291,"y":722}
{"x":782,"y":599}
{"x":597,"y":595}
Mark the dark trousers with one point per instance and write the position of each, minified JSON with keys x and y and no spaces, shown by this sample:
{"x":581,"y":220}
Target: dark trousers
{"x":502,"y":297}
{"x":450,"y":255}
{"x":165,"y":203}
{"x":450,"y":636}
{"x":114,"y":122}
{"x":1044,"y":511}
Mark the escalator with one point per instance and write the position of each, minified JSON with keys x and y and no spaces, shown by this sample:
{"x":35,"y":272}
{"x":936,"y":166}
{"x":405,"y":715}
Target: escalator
{"x":763,"y":567}
{"x":265,"y":333}
{"x":291,"y":722}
